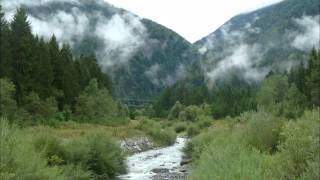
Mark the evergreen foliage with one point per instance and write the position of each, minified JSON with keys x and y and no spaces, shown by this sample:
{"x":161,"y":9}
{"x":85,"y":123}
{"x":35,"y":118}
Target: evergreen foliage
{"x":45,"y":78}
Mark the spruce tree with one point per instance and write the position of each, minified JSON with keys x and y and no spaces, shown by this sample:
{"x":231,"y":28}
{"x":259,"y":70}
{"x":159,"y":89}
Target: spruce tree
{"x":21,"y":44}
{"x":314,"y":78}
{"x":5,"y":54}
{"x":42,"y":71}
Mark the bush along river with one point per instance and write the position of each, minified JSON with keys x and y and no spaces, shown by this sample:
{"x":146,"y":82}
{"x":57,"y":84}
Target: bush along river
{"x":158,"y":164}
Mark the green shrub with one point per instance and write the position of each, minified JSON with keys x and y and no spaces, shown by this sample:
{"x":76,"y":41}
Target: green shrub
{"x":190,"y":114}
{"x":77,"y":152}
{"x":105,"y":158}
{"x":230,"y":161}
{"x":300,"y":148}
{"x":204,"y":122}
{"x":272,"y":94}
{"x":263,"y":131}
{"x":20,"y":160}
{"x":295,"y":102}
{"x":8,"y":105}
{"x":193,"y":130}
{"x":175,"y":111}
{"x":98,"y":154}
{"x":197,"y":144}
{"x":312,"y":171}
{"x":40,"y":109}
{"x":42,"y":156}
{"x":76,"y":172}
{"x":97,"y":105}
{"x":224,"y":153}
{"x":180,"y":127}
{"x":245,"y":117}
{"x":162,"y":136}
{"x":220,"y":154}
{"x":53,"y":150}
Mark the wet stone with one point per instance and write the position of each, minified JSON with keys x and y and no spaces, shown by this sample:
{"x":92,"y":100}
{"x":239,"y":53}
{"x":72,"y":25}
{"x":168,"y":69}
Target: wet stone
{"x":160,"y":170}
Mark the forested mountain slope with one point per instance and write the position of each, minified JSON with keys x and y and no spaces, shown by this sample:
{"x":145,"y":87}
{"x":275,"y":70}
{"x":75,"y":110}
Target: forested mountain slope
{"x":141,"y":56}
{"x":230,"y":63}
{"x":272,"y":38}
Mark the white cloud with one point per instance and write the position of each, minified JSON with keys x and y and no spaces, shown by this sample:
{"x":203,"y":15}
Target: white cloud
{"x":154,"y":74}
{"x":123,"y":35}
{"x":65,"y":26}
{"x":236,"y":55}
{"x":10,"y":6}
{"x":243,"y":57}
{"x":309,"y":36}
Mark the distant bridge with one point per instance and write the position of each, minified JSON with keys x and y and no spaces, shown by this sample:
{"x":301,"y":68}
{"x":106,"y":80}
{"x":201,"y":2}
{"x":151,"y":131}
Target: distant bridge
{"x":135,"y":103}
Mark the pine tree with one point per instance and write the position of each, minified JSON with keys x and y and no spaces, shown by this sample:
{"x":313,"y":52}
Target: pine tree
{"x":42,"y":71}
{"x":5,"y":54}
{"x":314,"y":77}
{"x":295,"y":102}
{"x":21,"y":44}
{"x":68,"y":84}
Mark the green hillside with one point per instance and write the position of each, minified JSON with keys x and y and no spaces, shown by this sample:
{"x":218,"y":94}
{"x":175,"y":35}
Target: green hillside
{"x":230,"y":63}
{"x":126,"y":46}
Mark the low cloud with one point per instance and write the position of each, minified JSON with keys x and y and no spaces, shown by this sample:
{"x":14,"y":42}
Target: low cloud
{"x":153,"y":74}
{"x":122,"y":34}
{"x":158,"y":77}
{"x":236,"y":55}
{"x":10,"y":6}
{"x":309,"y":34}
{"x":67,"y":27}
{"x":243,"y":59}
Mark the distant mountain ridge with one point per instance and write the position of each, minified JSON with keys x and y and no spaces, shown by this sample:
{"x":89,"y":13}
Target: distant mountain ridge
{"x":143,"y":57}
{"x":272,"y":32}
{"x":229,"y":64}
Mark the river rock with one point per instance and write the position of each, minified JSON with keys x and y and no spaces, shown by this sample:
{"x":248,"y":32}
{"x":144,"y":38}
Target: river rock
{"x":170,"y":176}
{"x":184,"y":162}
{"x":137,"y":145}
{"x":160,"y":170}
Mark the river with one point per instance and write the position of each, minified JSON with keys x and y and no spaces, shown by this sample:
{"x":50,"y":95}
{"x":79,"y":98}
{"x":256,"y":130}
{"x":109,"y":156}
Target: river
{"x":157,"y":164}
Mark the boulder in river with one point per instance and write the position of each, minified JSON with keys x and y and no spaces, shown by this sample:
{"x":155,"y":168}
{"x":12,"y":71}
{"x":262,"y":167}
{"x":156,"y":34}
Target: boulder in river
{"x":184,"y":162}
{"x":136,"y":145}
{"x":160,"y":170}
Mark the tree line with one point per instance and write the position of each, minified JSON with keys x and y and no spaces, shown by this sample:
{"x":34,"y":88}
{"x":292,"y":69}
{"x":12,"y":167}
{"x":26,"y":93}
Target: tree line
{"x":39,"y":76}
{"x":298,"y":87}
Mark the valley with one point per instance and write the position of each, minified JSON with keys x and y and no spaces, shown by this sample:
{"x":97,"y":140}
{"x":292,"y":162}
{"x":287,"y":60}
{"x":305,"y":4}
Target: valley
{"x":90,"y":91}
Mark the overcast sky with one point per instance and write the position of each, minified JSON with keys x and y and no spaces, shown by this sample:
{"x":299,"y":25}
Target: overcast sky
{"x":193,"y":19}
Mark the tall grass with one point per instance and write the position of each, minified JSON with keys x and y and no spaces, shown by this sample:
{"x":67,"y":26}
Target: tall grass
{"x":162,"y":136}
{"x":242,"y":151}
{"x":44,"y":156}
{"x":19,"y":158}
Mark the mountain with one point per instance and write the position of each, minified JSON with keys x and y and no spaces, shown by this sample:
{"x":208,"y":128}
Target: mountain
{"x":272,"y":38}
{"x":228,"y":65}
{"x":141,"y":56}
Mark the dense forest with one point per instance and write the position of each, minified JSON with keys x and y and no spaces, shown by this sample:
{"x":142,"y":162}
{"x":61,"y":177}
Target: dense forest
{"x":127,"y":57}
{"x":236,"y":96}
{"x":42,"y":80}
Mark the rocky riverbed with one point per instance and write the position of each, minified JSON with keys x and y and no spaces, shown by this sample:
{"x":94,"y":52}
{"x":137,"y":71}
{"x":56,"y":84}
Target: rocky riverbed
{"x":158,"y":164}
{"x":137,"y":145}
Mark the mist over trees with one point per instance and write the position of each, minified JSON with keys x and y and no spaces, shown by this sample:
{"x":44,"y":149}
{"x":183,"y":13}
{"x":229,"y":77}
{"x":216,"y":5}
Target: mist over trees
{"x":286,"y":93}
{"x":39,"y":78}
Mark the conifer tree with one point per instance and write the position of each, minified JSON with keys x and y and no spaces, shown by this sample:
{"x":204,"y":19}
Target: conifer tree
{"x":314,"y":77}
{"x":42,"y":71}
{"x":5,"y":54}
{"x":21,"y":44}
